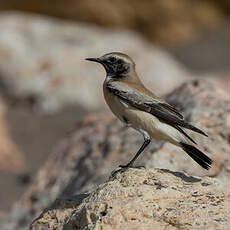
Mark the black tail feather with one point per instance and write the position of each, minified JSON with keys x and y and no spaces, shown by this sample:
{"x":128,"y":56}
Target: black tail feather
{"x":203,"y":160}
{"x":195,"y":129}
{"x":184,"y":133}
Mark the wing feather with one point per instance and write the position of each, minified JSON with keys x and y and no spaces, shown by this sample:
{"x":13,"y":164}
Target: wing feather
{"x":161,"y":110}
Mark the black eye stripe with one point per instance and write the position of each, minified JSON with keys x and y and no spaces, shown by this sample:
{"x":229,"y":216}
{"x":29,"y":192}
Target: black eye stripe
{"x":115,"y":60}
{"x":112,"y":59}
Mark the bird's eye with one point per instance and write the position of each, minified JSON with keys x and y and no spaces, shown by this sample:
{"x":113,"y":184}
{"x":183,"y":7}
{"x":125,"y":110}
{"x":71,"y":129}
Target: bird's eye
{"x":112,"y":59}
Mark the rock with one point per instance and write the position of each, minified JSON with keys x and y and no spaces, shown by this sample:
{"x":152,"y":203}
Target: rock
{"x":12,"y":162}
{"x":43,"y":60}
{"x":144,"y":199}
{"x":11,"y":157}
{"x":166,"y":22}
{"x":221,"y":80}
{"x":99,"y":144}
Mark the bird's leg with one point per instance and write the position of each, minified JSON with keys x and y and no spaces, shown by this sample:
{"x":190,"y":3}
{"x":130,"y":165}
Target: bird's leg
{"x":147,"y":141}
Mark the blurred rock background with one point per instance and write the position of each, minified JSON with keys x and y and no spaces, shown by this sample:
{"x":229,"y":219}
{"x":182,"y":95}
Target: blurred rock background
{"x":46,"y":86}
{"x":167,"y":22}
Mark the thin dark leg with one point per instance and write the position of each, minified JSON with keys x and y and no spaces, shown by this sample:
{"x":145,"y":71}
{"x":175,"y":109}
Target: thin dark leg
{"x":144,"y":145}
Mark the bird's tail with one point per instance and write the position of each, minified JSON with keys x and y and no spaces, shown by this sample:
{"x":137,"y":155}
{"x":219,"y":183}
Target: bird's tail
{"x":203,"y":160}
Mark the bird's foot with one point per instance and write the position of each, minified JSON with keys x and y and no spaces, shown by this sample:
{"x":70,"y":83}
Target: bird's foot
{"x":121,"y":168}
{"x":125,"y":166}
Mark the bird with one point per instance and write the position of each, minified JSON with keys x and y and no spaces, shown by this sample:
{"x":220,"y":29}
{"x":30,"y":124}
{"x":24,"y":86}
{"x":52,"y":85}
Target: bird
{"x":141,"y":109}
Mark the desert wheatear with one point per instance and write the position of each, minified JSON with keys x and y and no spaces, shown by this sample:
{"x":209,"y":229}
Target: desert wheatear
{"x":139,"y":108}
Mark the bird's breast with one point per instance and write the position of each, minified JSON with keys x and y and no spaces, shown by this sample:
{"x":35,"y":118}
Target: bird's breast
{"x":136,"y":118}
{"x":116,"y":107}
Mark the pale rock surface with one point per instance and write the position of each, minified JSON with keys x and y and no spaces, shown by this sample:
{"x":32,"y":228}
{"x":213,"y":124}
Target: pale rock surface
{"x":100,"y":143}
{"x":221,"y":80}
{"x":44,"y":58}
{"x":144,"y":199}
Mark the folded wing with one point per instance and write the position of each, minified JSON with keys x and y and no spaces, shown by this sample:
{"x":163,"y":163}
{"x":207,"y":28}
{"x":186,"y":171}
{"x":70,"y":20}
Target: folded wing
{"x":161,"y":110}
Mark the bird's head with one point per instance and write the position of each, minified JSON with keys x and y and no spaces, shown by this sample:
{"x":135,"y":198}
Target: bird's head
{"x":117,"y":65}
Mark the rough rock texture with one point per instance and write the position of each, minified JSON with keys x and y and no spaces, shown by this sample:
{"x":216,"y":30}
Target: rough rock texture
{"x":144,"y":199}
{"x":100,"y":143}
{"x":167,"y":22}
{"x":11,"y":158}
{"x":43,"y":60}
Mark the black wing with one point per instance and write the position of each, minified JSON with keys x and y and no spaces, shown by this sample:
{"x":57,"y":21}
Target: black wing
{"x":161,"y":110}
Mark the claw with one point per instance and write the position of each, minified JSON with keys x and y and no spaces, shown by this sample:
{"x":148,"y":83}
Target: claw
{"x":124,"y":166}
{"x":121,"y":168}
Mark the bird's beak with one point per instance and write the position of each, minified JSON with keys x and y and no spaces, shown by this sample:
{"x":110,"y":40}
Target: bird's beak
{"x":94,"y":60}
